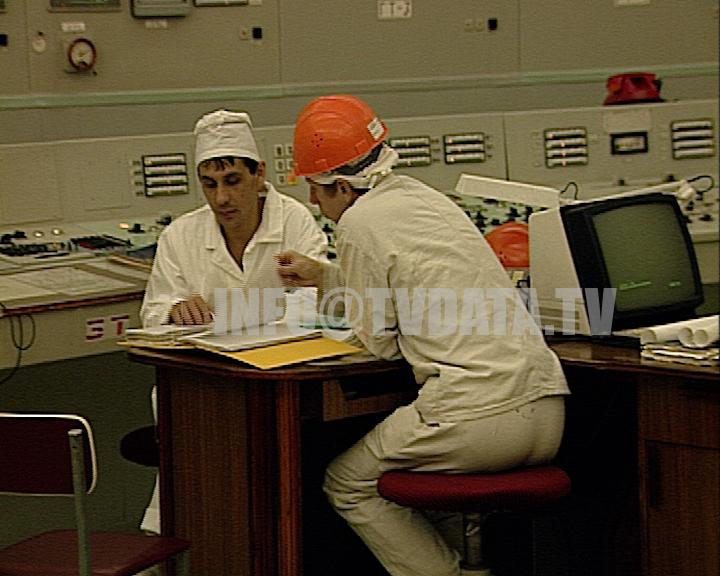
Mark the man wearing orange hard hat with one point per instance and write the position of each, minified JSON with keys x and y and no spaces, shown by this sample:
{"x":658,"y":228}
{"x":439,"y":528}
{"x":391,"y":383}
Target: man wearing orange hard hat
{"x":420,"y":283}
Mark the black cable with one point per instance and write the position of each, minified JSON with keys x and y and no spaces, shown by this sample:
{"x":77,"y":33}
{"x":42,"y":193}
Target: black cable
{"x":17,"y":337}
{"x":575,"y":187}
{"x":700,"y":177}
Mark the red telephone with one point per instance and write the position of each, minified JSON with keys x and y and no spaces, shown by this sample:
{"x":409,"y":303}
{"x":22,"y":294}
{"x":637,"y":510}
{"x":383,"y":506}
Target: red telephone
{"x":633,"y":87}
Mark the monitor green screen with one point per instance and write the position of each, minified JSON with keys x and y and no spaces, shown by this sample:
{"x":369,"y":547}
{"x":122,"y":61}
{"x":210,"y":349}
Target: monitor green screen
{"x":645,"y":256}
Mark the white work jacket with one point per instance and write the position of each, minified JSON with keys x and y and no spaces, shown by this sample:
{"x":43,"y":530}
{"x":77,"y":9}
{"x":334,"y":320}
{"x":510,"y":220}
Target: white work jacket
{"x":192,"y":257}
{"x":403,"y":235}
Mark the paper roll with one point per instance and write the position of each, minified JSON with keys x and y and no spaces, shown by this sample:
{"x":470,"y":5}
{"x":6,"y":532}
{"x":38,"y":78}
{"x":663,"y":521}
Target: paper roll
{"x":701,"y":333}
{"x":695,"y":333}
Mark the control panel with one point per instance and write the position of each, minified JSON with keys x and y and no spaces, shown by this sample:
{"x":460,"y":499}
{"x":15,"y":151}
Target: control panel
{"x":85,"y":205}
{"x":595,"y":152}
{"x":79,"y":221}
{"x":105,"y":195}
{"x":88,"y":180}
{"x":611,"y":148}
{"x":61,"y":243}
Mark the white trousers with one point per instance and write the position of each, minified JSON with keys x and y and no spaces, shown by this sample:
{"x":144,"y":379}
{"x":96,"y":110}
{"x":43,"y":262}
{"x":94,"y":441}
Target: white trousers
{"x":402,"y":539}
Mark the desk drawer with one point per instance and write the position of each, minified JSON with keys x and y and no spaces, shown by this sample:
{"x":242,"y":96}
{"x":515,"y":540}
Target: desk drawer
{"x":343,"y":400}
{"x":680,"y":413}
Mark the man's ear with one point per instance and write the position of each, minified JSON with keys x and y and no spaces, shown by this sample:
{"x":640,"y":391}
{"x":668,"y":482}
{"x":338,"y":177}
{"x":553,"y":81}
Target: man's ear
{"x":261,"y":171}
{"x":344,"y":187}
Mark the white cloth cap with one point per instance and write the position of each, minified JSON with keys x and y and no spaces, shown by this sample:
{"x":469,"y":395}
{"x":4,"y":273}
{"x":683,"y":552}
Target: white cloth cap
{"x":369,"y":176}
{"x":224,"y":133}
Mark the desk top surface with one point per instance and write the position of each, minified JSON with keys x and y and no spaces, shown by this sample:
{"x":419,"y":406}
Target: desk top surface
{"x":584,"y":354}
{"x":580,"y":354}
{"x":202,"y":361}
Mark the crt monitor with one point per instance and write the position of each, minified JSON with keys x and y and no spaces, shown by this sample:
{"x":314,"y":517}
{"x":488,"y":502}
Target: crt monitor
{"x":614,"y":263}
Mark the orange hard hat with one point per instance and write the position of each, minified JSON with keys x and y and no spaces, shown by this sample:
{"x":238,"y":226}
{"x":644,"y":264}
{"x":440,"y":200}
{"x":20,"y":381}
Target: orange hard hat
{"x":510,"y":243}
{"x":332,"y":131}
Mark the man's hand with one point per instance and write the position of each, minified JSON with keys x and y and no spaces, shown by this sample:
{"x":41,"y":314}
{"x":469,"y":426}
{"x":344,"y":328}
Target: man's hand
{"x":192,"y":311}
{"x":295,"y":269}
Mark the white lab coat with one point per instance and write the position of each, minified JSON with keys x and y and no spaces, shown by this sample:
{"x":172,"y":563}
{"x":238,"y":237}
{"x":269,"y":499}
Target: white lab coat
{"x":192,"y":257}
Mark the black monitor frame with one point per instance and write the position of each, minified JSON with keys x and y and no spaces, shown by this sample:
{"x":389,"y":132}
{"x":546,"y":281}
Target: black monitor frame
{"x":591,"y":268}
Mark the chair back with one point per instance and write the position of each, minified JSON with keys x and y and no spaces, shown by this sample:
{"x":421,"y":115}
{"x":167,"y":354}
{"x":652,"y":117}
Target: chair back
{"x":36,"y":456}
{"x":54,"y":455}
{"x":50,"y":455}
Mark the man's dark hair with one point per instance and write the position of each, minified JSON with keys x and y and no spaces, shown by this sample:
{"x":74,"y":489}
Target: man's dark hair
{"x":222,"y":162}
{"x":353,"y":168}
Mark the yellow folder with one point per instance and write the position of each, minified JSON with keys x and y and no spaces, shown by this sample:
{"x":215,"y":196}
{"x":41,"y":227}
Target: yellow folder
{"x":294,"y":352}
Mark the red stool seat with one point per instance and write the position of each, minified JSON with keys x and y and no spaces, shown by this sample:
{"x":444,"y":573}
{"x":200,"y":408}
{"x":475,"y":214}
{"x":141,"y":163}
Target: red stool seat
{"x":476,"y":496}
{"x":520,"y":489}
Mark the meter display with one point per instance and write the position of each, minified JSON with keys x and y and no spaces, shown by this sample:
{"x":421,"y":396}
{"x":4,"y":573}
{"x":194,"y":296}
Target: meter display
{"x":160,"y":8}
{"x":84,"y":5}
{"x":82,"y":54}
{"x":220,"y":2}
{"x":629,"y":143}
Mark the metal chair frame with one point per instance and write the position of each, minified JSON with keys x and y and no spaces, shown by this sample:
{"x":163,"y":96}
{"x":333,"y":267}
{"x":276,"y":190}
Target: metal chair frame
{"x":32,"y":452}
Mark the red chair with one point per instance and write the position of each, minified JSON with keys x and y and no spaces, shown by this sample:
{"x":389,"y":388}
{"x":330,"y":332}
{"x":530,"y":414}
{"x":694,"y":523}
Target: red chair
{"x":54,"y":455}
{"x":476,"y":496}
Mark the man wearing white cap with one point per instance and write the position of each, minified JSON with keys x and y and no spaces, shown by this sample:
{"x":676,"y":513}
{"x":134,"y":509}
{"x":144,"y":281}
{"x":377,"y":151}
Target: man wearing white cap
{"x":231,"y":241}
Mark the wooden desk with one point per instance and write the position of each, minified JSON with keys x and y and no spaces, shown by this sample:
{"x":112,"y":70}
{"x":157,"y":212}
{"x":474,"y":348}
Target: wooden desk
{"x":592,"y":356}
{"x":675,"y":412}
{"x":230,"y":452}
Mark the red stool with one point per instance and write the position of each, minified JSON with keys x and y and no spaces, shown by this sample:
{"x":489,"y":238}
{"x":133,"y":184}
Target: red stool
{"x":476,"y":496}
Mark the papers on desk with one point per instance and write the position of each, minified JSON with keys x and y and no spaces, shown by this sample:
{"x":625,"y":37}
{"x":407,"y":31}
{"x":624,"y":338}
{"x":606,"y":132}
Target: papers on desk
{"x":268,"y":346}
{"x":688,"y":342}
{"x":256,"y":337}
{"x":163,"y":337}
{"x":666,"y":352}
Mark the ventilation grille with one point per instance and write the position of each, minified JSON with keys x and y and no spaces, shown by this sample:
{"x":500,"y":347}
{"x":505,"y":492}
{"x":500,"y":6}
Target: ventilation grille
{"x":412,"y":151}
{"x":164,"y":175}
{"x":464,"y":148}
{"x":566,"y":147}
{"x":693,"y":139}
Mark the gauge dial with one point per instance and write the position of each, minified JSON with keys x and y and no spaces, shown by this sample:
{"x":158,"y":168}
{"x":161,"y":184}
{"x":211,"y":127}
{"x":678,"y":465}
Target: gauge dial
{"x":81,"y":54}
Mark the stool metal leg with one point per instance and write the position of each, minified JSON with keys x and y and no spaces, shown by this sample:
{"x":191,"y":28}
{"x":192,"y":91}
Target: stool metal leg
{"x":473,"y":563}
